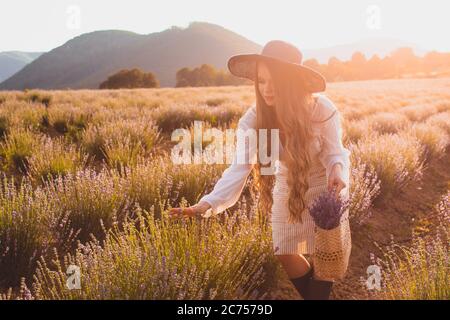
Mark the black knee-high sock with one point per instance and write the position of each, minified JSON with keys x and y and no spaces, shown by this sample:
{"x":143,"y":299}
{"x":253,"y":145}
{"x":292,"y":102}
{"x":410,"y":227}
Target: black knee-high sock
{"x":318,"y":289}
{"x":301,"y":283}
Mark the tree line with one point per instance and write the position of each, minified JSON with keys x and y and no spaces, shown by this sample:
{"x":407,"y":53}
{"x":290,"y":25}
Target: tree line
{"x":400,"y":63}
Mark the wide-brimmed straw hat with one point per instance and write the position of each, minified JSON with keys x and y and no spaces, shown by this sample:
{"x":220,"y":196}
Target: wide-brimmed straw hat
{"x":278,"y":52}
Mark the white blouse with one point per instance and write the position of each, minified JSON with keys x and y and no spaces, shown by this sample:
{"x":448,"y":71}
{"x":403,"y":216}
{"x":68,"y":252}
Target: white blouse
{"x":229,"y":187}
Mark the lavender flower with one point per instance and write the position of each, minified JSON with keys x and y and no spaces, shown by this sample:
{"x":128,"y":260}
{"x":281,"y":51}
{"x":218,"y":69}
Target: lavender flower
{"x":327,"y":210}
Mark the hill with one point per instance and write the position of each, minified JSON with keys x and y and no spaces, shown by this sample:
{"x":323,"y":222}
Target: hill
{"x":13,"y":61}
{"x":89,"y":59}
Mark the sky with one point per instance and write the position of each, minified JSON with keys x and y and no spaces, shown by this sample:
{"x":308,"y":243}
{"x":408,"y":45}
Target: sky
{"x":29,"y":25}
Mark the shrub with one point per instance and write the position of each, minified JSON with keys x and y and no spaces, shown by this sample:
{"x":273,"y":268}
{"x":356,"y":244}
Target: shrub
{"x":122,"y":139}
{"x":68,"y":120}
{"x":183,"y":116}
{"x":4,"y":126}
{"x":16,"y":150}
{"x":353,"y":131}
{"x":388,"y":122}
{"x":418,"y":112}
{"x":434,"y":139}
{"x":364,"y":188}
{"x":206,"y":75}
{"x":396,"y":158}
{"x":30,"y":117}
{"x":214,"y":102}
{"x":94,"y":202}
{"x":38,"y":97}
{"x":419,"y":272}
{"x":158,"y":183}
{"x":441,"y":120}
{"x":24,"y":235}
{"x":133,"y":78}
{"x":163,"y":259}
{"x":122,"y":152}
{"x":54,"y":158}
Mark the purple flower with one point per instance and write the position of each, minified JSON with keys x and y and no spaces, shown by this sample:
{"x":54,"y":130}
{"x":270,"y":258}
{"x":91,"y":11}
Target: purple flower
{"x":327,"y":210}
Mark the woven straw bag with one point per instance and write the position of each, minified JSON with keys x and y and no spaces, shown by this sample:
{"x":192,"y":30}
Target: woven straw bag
{"x":332,"y":250}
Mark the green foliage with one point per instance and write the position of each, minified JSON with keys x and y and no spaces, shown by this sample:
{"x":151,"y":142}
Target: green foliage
{"x":37,"y":97}
{"x":133,"y":78}
{"x":206,"y":75}
{"x":16,"y":150}
{"x":24,"y":230}
{"x":54,"y":158}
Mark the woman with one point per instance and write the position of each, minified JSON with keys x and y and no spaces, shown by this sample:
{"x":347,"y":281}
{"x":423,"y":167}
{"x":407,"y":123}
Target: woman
{"x":312,"y":157}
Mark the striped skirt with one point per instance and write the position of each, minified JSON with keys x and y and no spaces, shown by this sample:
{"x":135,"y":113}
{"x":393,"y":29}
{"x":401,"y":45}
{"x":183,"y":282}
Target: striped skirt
{"x":295,"y":238}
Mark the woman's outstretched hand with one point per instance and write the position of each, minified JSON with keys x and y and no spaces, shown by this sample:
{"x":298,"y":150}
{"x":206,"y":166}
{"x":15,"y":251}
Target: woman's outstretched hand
{"x":189,"y":212}
{"x":336,"y":182}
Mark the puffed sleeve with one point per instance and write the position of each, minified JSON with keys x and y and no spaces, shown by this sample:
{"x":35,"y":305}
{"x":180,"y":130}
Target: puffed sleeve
{"x":333,"y":150}
{"x":229,"y":187}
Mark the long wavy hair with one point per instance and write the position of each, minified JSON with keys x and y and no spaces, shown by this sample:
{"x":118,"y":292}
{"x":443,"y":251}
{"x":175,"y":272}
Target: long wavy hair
{"x":292,"y":115}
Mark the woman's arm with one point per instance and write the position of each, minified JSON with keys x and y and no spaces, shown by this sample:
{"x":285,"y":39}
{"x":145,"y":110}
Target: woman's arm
{"x":333,"y":151}
{"x":229,"y":187}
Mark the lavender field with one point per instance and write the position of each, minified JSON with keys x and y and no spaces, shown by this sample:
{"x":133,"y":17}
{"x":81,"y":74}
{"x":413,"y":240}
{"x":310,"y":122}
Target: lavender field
{"x":87,"y":180}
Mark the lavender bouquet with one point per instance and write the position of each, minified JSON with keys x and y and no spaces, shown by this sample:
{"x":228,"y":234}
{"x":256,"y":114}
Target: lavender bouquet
{"x":327,"y":210}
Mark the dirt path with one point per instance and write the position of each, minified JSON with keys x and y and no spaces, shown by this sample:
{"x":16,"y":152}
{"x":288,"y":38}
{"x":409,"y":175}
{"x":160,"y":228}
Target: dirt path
{"x":411,"y":209}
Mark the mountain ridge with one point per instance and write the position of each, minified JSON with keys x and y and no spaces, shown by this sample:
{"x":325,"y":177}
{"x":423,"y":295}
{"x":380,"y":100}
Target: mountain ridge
{"x":12,"y":61}
{"x":88,"y":59}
